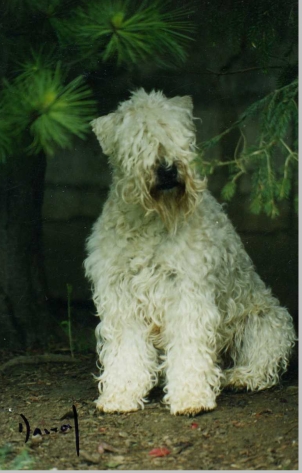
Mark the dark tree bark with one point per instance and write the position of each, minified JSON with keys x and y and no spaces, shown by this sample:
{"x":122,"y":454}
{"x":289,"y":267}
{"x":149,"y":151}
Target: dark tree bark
{"x":24,"y":320}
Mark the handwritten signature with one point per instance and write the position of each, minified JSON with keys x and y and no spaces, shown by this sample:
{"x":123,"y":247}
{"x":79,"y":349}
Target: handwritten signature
{"x":64,"y":428}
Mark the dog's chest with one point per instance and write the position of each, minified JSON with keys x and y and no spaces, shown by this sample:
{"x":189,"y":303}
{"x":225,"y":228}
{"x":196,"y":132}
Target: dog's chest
{"x":158,"y":265}
{"x":160,"y":254}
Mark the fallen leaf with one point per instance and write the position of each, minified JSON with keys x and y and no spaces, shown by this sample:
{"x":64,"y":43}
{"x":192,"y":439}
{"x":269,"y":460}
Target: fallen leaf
{"x":238,"y":424}
{"x":115,"y":461}
{"x":90,"y":457}
{"x":264,"y":411}
{"x":34,"y":398}
{"x":101,"y":449}
{"x":205,"y":433}
{"x":159,"y":452}
{"x":182,"y":446}
{"x":36,"y":440}
{"x":104,"y":446}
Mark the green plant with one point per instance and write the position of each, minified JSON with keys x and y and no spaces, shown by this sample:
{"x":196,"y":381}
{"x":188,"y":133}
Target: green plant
{"x":44,"y":99}
{"x":20,"y":462}
{"x":129,"y":32}
{"x":263,"y":37}
{"x":39,"y":101}
{"x":266,"y":29}
{"x":66,"y":324}
{"x":271,"y":160}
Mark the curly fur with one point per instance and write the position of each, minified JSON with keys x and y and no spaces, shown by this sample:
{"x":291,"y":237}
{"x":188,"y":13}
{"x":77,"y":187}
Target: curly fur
{"x":173,"y":286}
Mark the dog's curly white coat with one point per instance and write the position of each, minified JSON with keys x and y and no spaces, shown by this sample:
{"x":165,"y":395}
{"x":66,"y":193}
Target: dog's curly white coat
{"x":174,"y":288}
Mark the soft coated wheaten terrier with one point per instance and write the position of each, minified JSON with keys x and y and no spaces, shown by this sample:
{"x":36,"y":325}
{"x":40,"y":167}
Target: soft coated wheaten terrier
{"x":174,"y":288}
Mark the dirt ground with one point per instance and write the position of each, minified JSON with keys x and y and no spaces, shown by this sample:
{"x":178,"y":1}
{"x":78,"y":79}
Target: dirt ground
{"x":257,"y":431}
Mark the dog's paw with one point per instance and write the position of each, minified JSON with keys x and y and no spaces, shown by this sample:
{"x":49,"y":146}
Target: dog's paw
{"x":236,"y":379}
{"x":116,"y":405}
{"x":241,"y":378}
{"x":191,"y":407}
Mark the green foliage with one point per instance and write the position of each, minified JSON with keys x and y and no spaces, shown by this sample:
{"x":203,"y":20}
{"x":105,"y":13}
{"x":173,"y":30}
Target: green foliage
{"x":262,"y":28}
{"x":129,"y":31}
{"x":229,"y":190}
{"x":22,"y":461}
{"x":267,"y":31}
{"x":5,"y":140}
{"x":67,"y":324}
{"x":39,"y":101}
{"x":44,"y":100}
{"x":83,"y":340}
{"x":272,"y":159}
{"x":69,"y":292}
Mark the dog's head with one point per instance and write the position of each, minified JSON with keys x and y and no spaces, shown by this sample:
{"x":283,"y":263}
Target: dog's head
{"x":150,"y":141}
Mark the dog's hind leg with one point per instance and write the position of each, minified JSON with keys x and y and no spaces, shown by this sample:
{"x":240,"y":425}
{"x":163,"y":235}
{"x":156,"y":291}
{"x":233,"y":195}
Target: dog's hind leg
{"x":261,"y":348}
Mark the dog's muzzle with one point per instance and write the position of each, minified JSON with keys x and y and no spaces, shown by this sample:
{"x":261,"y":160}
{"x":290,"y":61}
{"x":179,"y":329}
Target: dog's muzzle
{"x":166,"y":177}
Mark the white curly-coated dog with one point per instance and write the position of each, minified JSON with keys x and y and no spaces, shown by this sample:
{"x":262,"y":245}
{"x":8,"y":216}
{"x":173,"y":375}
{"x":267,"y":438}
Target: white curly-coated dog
{"x":173,"y":286}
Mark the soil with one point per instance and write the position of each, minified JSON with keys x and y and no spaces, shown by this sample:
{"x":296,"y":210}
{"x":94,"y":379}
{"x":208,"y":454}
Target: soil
{"x":257,"y":431}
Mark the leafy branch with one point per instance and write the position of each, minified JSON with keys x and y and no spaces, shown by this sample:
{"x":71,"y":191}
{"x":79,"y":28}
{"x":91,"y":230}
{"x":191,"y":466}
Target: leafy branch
{"x":272,"y":160}
{"x":44,"y":101}
{"x":51,"y":111}
{"x":128,"y":32}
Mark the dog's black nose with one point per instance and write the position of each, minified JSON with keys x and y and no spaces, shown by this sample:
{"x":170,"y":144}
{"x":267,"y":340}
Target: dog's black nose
{"x":167,"y":177}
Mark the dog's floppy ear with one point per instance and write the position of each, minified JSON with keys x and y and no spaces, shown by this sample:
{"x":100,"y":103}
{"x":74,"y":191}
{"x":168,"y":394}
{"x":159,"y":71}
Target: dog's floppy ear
{"x":104,"y":129}
{"x":183,"y":102}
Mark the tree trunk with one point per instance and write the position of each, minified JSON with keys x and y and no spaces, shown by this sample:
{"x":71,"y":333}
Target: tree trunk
{"x":24,"y":320}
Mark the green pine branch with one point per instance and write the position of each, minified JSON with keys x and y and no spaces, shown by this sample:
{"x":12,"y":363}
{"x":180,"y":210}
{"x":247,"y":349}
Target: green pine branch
{"x":277,"y":115}
{"x":40,"y":101}
{"x":258,"y":27}
{"x":129,"y":32}
{"x":5,"y":138}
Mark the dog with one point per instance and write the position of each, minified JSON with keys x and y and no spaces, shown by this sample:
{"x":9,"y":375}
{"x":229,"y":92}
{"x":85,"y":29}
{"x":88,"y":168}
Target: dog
{"x":177,"y":295}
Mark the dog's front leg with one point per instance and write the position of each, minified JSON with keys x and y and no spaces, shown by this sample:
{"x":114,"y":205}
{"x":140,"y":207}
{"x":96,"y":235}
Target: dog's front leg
{"x":129,"y":365}
{"x":192,"y":375}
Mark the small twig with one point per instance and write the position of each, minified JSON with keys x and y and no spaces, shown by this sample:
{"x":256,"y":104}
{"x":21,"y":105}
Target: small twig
{"x":36,"y":359}
{"x":239,"y":160}
{"x":226,"y":163}
{"x":269,"y":171}
{"x":286,"y":165}
{"x":242,"y":71}
{"x":238,"y":175}
{"x":285,"y":172}
{"x":295,"y":104}
{"x":292,"y":153}
{"x":69,"y":291}
{"x":292,"y":428}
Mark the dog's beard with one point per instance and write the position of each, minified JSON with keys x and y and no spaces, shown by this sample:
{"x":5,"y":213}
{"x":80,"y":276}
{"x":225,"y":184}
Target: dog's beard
{"x":173,"y":204}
